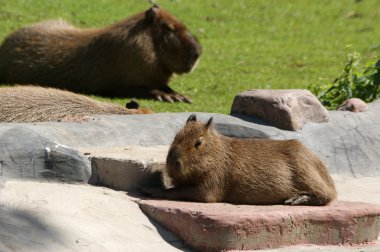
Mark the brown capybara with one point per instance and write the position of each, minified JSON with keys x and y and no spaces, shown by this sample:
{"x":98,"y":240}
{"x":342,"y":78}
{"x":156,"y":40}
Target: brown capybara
{"x":206,"y":166}
{"x":134,"y":57}
{"x":40,"y":104}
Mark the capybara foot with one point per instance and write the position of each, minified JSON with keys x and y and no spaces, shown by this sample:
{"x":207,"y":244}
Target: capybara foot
{"x":303,"y":199}
{"x":170,"y":96}
{"x":152,"y":192}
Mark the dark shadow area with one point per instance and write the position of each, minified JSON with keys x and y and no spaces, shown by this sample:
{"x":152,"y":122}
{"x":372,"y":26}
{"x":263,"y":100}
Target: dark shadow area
{"x":129,"y":93}
{"x":252,"y":119}
{"x":169,"y":237}
{"x":20,"y":230}
{"x":149,"y":178}
{"x":239,"y":131}
{"x":165,"y":234}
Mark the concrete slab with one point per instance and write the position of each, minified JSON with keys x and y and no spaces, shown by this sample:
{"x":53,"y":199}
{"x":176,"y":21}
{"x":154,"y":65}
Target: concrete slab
{"x":36,"y":216}
{"x":364,"y":189}
{"x":127,"y":168}
{"x":219,"y":226}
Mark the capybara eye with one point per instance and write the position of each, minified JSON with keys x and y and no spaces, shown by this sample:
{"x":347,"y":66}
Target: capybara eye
{"x":178,"y":164}
{"x":198,"y":142}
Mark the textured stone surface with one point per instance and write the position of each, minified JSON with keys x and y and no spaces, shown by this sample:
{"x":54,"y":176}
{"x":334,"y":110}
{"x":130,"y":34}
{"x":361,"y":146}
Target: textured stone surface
{"x":215,"y":227}
{"x":48,"y":217}
{"x":127,"y":168}
{"x":354,"y":105}
{"x":364,"y":189}
{"x":26,"y":154}
{"x":286,"y":109}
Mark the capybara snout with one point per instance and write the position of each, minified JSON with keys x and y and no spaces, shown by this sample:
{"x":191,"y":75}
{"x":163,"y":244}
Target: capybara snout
{"x":173,"y":160}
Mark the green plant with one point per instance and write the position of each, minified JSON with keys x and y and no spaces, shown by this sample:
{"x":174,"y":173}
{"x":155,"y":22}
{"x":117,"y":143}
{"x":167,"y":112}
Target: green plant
{"x":352,"y":83}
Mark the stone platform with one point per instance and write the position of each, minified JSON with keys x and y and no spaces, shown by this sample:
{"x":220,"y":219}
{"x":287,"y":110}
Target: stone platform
{"x":60,"y":217}
{"x":220,"y":227}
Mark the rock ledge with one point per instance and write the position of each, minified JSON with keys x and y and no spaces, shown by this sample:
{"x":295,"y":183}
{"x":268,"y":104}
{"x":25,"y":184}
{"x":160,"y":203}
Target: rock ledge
{"x":215,"y":227}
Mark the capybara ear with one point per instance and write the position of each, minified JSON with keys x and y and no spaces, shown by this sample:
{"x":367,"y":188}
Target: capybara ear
{"x":153,"y":2}
{"x":208,"y":124}
{"x":192,"y":118}
{"x":151,"y":13}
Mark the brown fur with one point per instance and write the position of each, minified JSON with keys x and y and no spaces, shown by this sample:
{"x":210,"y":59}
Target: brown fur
{"x":38,"y":104}
{"x":134,"y":57}
{"x":208,"y":167}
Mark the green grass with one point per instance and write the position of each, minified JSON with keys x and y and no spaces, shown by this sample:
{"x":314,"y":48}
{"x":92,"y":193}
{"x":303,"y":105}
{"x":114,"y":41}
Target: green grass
{"x":246,"y":44}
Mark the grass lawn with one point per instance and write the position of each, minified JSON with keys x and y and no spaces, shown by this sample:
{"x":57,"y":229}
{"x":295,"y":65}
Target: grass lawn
{"x":247,"y":44}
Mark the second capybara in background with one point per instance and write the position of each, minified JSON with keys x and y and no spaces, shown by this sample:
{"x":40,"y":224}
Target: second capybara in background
{"x":134,"y":57}
{"x":206,"y":166}
{"x":20,"y":104}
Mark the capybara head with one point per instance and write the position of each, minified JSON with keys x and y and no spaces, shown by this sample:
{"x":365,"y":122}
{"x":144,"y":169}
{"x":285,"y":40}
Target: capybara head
{"x":176,"y":47}
{"x":193,"y":149}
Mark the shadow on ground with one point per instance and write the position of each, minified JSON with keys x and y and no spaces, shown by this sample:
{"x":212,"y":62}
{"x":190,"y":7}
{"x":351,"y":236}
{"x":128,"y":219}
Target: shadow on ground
{"x":21,"y":230}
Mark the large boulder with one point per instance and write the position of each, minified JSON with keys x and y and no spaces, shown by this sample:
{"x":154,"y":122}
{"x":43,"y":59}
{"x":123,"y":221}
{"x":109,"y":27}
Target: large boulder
{"x":354,"y":105}
{"x":286,"y":109}
{"x":27,"y":154}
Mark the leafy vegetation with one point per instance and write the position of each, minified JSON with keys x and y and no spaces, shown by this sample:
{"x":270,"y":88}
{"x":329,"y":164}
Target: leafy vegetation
{"x":352,"y":83}
{"x":247,"y":44}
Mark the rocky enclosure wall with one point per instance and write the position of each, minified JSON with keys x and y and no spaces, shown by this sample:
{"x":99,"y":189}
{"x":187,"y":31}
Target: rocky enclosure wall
{"x":349,"y":143}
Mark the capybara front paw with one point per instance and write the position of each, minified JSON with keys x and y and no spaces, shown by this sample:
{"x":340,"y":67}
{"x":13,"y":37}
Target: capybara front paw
{"x":303,"y":199}
{"x":169,"y":96}
{"x":298,"y":200}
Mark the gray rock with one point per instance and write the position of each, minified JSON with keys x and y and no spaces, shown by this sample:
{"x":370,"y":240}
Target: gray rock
{"x":286,"y":109}
{"x":26,"y":154}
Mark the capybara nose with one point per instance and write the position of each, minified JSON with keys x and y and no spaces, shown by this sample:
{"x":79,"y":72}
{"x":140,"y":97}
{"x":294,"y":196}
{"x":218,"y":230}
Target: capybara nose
{"x":174,"y":158}
{"x":174,"y":155}
{"x":196,"y":53}
{"x":197,"y":50}
{"x":196,"y":47}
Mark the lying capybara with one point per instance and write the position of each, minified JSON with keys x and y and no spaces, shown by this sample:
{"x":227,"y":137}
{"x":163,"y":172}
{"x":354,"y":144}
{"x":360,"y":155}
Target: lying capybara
{"x":206,"y":166}
{"x":134,"y":57}
{"x":39,"y":104}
